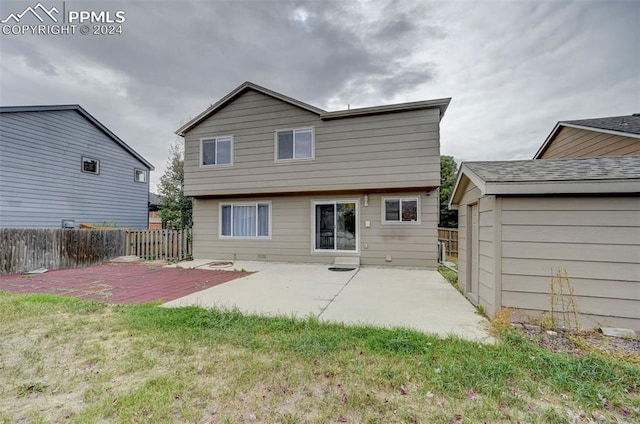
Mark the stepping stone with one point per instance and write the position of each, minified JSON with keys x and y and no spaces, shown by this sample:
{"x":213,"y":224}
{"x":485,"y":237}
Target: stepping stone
{"x":617,"y":332}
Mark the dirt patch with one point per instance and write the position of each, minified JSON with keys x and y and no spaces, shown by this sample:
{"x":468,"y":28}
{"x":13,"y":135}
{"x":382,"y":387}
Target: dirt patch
{"x":120,"y":282}
{"x":582,"y":342}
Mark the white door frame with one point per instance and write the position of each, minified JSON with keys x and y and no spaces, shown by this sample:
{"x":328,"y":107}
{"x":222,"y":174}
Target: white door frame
{"x":313,"y":225}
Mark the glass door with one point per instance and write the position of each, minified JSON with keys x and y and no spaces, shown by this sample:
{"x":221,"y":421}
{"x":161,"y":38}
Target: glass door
{"x":335,"y":226}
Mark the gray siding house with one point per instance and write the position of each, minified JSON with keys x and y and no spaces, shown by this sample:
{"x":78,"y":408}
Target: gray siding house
{"x":520,"y":222}
{"x":60,"y":166}
{"x":277,"y":179}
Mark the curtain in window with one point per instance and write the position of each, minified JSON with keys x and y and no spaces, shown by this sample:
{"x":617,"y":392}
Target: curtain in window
{"x":244,"y":221}
{"x":263,"y":220}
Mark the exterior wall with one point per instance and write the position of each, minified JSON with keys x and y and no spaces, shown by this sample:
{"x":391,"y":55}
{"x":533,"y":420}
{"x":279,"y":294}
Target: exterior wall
{"x":291,"y":241}
{"x":388,"y":151}
{"x":595,"y":239}
{"x":579,"y":143}
{"x":485,"y":295}
{"x":41,"y":182}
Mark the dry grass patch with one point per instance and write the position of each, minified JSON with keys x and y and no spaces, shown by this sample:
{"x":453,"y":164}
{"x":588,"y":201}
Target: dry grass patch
{"x":67,"y":360}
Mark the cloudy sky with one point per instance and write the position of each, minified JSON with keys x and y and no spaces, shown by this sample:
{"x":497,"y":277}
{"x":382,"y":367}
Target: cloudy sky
{"x":512,"y":68}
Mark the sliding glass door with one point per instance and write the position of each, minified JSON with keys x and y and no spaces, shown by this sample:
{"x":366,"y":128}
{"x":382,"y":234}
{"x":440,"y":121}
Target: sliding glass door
{"x":335,"y":226}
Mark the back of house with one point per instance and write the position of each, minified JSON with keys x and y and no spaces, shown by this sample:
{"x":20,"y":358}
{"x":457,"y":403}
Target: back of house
{"x":277,"y":179}
{"x":60,"y":167}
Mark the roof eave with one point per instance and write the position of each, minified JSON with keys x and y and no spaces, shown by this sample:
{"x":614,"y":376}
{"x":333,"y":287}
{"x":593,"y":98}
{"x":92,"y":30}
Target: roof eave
{"x":470,"y":176}
{"x":86,"y":115}
{"x":441,"y":104}
{"x":564,"y":187}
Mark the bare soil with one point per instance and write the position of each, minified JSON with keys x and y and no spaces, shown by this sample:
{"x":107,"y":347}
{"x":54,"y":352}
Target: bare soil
{"x":582,"y":342}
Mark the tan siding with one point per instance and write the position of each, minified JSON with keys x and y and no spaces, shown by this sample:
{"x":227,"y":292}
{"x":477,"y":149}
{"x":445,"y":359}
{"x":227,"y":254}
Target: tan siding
{"x":291,"y":241}
{"x":399,"y":150}
{"x":578,"y":143}
{"x":486,"y":232}
{"x":595,"y":239}
{"x":486,"y":236}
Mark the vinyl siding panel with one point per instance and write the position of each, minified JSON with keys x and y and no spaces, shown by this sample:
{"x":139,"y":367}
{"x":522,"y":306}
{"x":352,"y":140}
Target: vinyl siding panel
{"x":41,"y":182}
{"x":579,"y":143}
{"x":486,"y":239}
{"x":595,"y":239}
{"x":292,"y":239}
{"x":388,"y":151}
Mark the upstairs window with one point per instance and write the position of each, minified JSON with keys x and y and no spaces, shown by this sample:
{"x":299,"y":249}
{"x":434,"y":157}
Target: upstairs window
{"x":399,"y":210}
{"x":294,"y":144}
{"x":90,"y":166}
{"x":140,"y":175}
{"x":216,"y":151}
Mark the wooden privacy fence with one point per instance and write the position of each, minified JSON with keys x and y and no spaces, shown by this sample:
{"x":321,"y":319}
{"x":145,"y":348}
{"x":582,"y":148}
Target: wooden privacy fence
{"x":169,"y":245}
{"x":23,"y":249}
{"x":449,"y":238}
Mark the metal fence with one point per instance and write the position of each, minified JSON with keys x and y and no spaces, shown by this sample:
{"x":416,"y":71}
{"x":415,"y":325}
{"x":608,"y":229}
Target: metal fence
{"x":448,"y":238}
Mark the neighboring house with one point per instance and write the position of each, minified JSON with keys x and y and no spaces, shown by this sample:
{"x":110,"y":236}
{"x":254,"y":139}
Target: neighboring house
{"x":155,"y":222}
{"x":614,"y":136}
{"x":522,"y":221}
{"x":59,"y":166}
{"x":276,"y":179}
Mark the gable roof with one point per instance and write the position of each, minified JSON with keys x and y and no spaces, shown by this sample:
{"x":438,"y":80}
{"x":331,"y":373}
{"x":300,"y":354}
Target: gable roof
{"x":627,"y":126}
{"x":246,"y":86}
{"x":606,"y":174}
{"x":87,"y":116}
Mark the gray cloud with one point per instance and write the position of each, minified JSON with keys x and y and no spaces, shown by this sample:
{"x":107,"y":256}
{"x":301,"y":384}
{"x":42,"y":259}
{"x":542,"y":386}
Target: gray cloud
{"x":513,"y":69}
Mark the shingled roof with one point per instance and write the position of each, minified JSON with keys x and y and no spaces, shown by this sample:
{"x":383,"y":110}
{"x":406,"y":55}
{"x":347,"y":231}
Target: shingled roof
{"x":597,"y":175}
{"x":626,"y":124}
{"x":579,"y":169}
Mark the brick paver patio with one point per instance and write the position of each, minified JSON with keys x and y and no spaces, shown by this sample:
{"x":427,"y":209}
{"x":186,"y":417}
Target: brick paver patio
{"x":119,"y":283}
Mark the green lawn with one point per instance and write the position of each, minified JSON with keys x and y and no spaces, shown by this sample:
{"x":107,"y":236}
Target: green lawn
{"x":68,"y":360}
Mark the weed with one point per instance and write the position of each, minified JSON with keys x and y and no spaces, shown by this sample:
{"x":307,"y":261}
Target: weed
{"x":481,"y":311}
{"x":29,"y":388}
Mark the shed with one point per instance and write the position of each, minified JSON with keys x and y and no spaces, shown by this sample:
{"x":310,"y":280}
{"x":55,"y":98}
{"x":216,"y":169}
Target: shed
{"x":521,"y":222}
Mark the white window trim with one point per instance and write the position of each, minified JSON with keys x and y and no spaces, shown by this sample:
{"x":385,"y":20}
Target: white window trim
{"x":400,"y":222}
{"x":144,"y":172}
{"x":87,"y":158}
{"x":313,"y":226}
{"x":232,"y":204}
{"x":294,"y":159}
{"x":216,"y":138}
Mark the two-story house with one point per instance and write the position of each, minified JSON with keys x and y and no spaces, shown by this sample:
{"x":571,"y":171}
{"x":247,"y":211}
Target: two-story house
{"x":277,"y":179}
{"x":59,"y":166}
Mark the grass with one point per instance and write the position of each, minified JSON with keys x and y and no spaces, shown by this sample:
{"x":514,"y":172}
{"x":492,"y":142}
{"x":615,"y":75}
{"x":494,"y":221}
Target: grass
{"x":63,"y":359}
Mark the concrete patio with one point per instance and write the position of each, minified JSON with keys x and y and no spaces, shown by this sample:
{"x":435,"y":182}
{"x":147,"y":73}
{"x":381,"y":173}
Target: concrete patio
{"x":388,"y":297}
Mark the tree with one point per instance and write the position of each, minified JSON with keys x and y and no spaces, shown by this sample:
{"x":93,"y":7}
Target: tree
{"x":175,"y":207}
{"x":448,"y":168}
